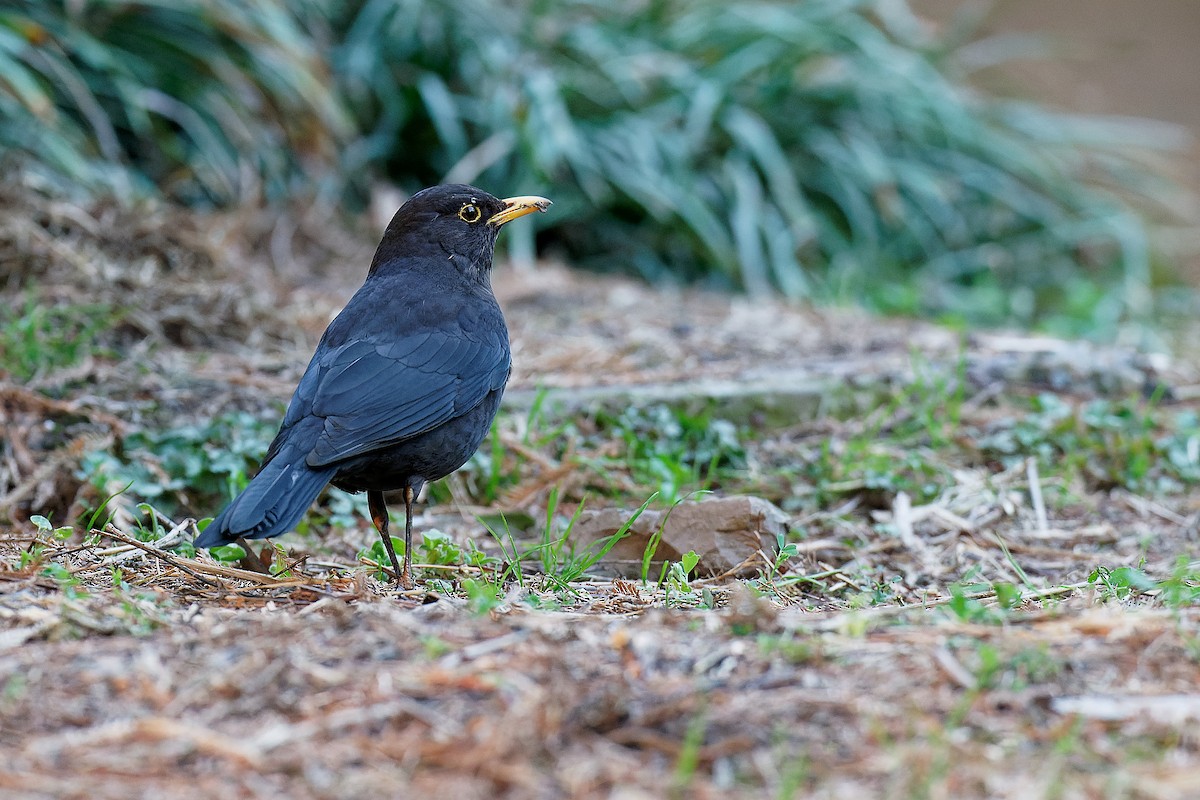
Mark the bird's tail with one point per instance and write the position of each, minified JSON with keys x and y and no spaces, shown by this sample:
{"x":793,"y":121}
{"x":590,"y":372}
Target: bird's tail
{"x":273,"y":502}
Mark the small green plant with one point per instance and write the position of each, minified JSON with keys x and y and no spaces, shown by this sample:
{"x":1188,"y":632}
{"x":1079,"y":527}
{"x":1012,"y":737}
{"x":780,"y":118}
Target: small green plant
{"x":177,"y":468}
{"x":1121,"y":583}
{"x":784,"y":550}
{"x":789,"y":646}
{"x":137,"y":608}
{"x":994,"y":668}
{"x":227,"y":553}
{"x":377,"y":553}
{"x":897,"y":446}
{"x":1106,"y":443}
{"x":482,"y":595}
{"x":153,"y":531}
{"x":31,"y":557}
{"x":104,"y":504}
{"x":44,"y":526}
{"x":561,"y":563}
{"x":434,"y":647}
{"x":673,"y":450}
{"x":689,"y":754}
{"x":37,"y":338}
{"x":675,"y":576}
{"x":509,"y":550}
{"x":655,"y":538}
{"x":68,"y":583}
{"x":437,"y":548}
{"x":989,"y":666}
{"x":969,"y":599}
{"x":1182,"y":589}
{"x":1007,"y":595}
{"x":556,"y":552}
{"x":567,"y":565}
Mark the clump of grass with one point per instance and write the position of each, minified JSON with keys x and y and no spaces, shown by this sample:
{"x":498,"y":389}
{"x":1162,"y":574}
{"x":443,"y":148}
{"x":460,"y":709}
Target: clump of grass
{"x":672,"y":450}
{"x":36,"y":338}
{"x":206,"y":102}
{"x":904,"y":443}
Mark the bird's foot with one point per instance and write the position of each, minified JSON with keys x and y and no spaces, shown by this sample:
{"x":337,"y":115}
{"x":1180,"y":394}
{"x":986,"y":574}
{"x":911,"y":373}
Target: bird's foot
{"x":405,"y":580}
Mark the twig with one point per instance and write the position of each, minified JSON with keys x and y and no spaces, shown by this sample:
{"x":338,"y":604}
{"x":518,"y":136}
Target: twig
{"x":837,"y":620}
{"x":111,"y":532}
{"x":1035,"y":494}
{"x":115,"y":555}
{"x":305,"y":582}
{"x":234,"y":572}
{"x":954,"y":668}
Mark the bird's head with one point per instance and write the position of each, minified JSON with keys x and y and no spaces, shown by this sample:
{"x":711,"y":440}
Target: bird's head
{"x":453,"y":222}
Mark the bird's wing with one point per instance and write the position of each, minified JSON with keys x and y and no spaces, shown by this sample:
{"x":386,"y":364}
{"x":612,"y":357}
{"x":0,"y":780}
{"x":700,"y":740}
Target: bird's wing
{"x":372,"y":394}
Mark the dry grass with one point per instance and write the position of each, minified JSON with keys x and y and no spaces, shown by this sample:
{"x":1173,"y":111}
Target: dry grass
{"x":867,"y":669}
{"x":199,"y":681}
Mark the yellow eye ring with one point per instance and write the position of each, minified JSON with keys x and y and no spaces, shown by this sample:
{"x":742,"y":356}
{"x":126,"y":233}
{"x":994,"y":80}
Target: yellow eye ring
{"x":470,"y":213}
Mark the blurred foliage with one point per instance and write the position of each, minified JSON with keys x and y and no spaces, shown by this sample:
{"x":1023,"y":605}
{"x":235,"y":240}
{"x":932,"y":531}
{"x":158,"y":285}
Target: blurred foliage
{"x":171,"y":468}
{"x":36,"y":338}
{"x":203,"y":101}
{"x":826,"y":149}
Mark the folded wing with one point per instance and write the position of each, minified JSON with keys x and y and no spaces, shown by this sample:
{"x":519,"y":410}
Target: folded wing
{"x":372,"y":394}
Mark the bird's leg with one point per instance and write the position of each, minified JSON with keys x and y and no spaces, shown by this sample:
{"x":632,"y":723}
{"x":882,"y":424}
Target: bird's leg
{"x":379,"y":516}
{"x":252,"y":560}
{"x":406,"y":577}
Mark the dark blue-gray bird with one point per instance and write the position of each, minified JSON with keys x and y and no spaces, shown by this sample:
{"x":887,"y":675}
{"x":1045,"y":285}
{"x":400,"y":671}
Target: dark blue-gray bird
{"x":406,"y":380}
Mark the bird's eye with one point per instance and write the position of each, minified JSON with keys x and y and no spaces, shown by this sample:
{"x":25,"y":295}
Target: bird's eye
{"x":470,"y":213}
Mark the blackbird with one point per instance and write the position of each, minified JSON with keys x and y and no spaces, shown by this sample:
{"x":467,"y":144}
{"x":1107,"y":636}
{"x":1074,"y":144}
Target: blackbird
{"x":405,"y":381}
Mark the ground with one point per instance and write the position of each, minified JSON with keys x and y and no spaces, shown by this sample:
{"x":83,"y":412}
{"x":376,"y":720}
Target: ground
{"x":968,"y":570}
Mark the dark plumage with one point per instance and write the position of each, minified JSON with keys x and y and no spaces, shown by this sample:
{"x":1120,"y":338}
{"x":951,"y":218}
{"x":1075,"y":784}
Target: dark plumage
{"x":405,"y":381}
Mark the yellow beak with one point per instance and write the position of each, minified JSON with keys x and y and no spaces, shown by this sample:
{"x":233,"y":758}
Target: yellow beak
{"x":518,"y":207}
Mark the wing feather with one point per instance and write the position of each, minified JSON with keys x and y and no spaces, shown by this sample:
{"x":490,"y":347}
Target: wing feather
{"x":372,"y":395}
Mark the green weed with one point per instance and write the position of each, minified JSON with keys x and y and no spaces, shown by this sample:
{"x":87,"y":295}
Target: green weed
{"x":482,"y":595}
{"x":793,"y":649}
{"x":137,"y":610}
{"x":689,"y":755}
{"x":377,"y":553}
{"x":1127,"y":443}
{"x":655,"y":538}
{"x":511,"y":554}
{"x":1180,"y":590}
{"x":971,"y":600}
{"x":36,"y":338}
{"x":672,"y":450}
{"x":227,"y":553}
{"x":433,"y":646}
{"x":995,"y":669}
{"x":68,"y":583}
{"x":675,"y":576}
{"x":561,"y":563}
{"x":44,"y":526}
{"x":570,"y":565}
{"x":204,"y":463}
